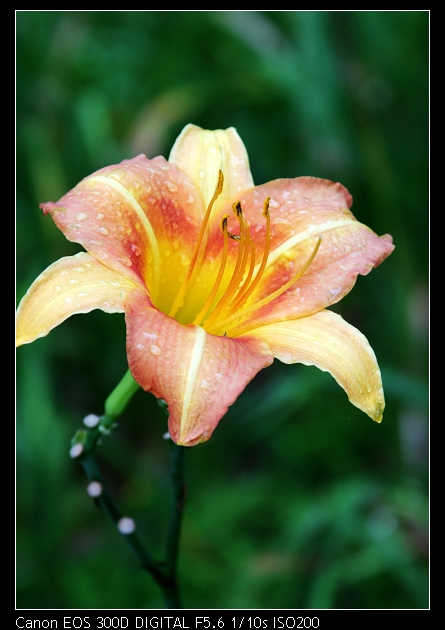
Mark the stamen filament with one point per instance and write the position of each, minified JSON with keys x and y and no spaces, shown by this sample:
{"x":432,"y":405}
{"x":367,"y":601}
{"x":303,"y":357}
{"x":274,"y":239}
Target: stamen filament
{"x":236,"y":277}
{"x":243,"y":297}
{"x":241,"y":313}
{"x":179,"y":300}
{"x":203,"y":312}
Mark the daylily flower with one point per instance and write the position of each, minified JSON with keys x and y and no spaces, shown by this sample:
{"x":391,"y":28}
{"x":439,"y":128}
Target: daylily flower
{"x":216,"y":276}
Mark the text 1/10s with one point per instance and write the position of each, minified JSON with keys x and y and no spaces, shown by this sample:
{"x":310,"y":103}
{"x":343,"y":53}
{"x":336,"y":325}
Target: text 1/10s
{"x":277,"y":623}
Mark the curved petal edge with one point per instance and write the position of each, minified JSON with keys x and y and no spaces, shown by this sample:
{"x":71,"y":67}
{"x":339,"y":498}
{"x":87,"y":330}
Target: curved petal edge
{"x":327,"y":341}
{"x":73,"y":284}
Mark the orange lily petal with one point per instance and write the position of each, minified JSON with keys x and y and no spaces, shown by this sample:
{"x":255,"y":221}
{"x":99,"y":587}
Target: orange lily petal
{"x":302,"y":210}
{"x":199,"y":375}
{"x":138,"y":217}
{"x":202,"y":153}
{"x":327,"y":341}
{"x":74,"y":284}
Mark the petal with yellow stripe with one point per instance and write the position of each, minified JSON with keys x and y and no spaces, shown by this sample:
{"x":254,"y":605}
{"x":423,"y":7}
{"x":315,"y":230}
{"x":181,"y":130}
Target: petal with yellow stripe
{"x":71,"y":285}
{"x":327,"y":341}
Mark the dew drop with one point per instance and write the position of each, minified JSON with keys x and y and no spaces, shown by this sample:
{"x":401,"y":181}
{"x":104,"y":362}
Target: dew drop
{"x":81,"y":216}
{"x":274,"y":204}
{"x":135,"y":249}
{"x":175,"y":243}
{"x":103,"y":230}
{"x":171,"y":186}
{"x":125,"y":261}
{"x":99,"y":216}
{"x":140,"y":346}
{"x":81,"y":295}
{"x":190,"y":199}
{"x":94,"y":489}
{"x":57,"y":288}
{"x":126,"y":525}
{"x":118,"y":174}
{"x":136,"y":185}
{"x":80,"y":269}
{"x":185,"y":260}
{"x":148,"y":335}
{"x":73,"y":281}
{"x":155,"y":350}
{"x":201,"y":174}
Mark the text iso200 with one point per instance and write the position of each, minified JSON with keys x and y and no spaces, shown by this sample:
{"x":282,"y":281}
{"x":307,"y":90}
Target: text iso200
{"x":291,"y":623}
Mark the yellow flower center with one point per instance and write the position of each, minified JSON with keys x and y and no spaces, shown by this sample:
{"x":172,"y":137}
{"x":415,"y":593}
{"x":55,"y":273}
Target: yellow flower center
{"x":217,"y":316}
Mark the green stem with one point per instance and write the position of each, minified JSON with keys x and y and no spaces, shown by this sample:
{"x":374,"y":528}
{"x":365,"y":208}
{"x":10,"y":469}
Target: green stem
{"x":176,"y":511}
{"x":120,"y":396}
{"x":165,"y":572}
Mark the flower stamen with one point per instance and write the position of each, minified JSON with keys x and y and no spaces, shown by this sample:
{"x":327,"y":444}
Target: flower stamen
{"x":240,"y":265}
{"x":247,"y":310}
{"x":179,"y":300}
{"x":205,"y":309}
{"x":247,"y":291}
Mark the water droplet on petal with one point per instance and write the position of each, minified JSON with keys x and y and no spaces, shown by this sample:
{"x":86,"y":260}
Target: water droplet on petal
{"x":171,"y":186}
{"x":81,"y":216}
{"x":190,"y":199}
{"x":135,"y":249}
{"x":99,"y":216}
{"x":103,"y":230}
{"x":156,"y":350}
{"x":118,"y":174}
{"x":201,"y":174}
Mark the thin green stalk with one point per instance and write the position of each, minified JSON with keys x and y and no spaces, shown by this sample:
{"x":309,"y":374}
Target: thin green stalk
{"x":84,"y":445}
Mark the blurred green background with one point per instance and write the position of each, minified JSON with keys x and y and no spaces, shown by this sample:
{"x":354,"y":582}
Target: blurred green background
{"x":298,"y":500}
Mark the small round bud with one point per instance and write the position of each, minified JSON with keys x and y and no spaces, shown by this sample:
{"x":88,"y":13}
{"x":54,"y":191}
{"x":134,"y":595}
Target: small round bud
{"x":94,"y":489}
{"x":91,"y":420}
{"x":76,"y":450}
{"x":126,"y":525}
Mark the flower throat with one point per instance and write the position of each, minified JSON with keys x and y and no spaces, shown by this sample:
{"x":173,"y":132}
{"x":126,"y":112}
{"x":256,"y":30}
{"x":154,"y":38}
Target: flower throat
{"x":217,"y":316}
